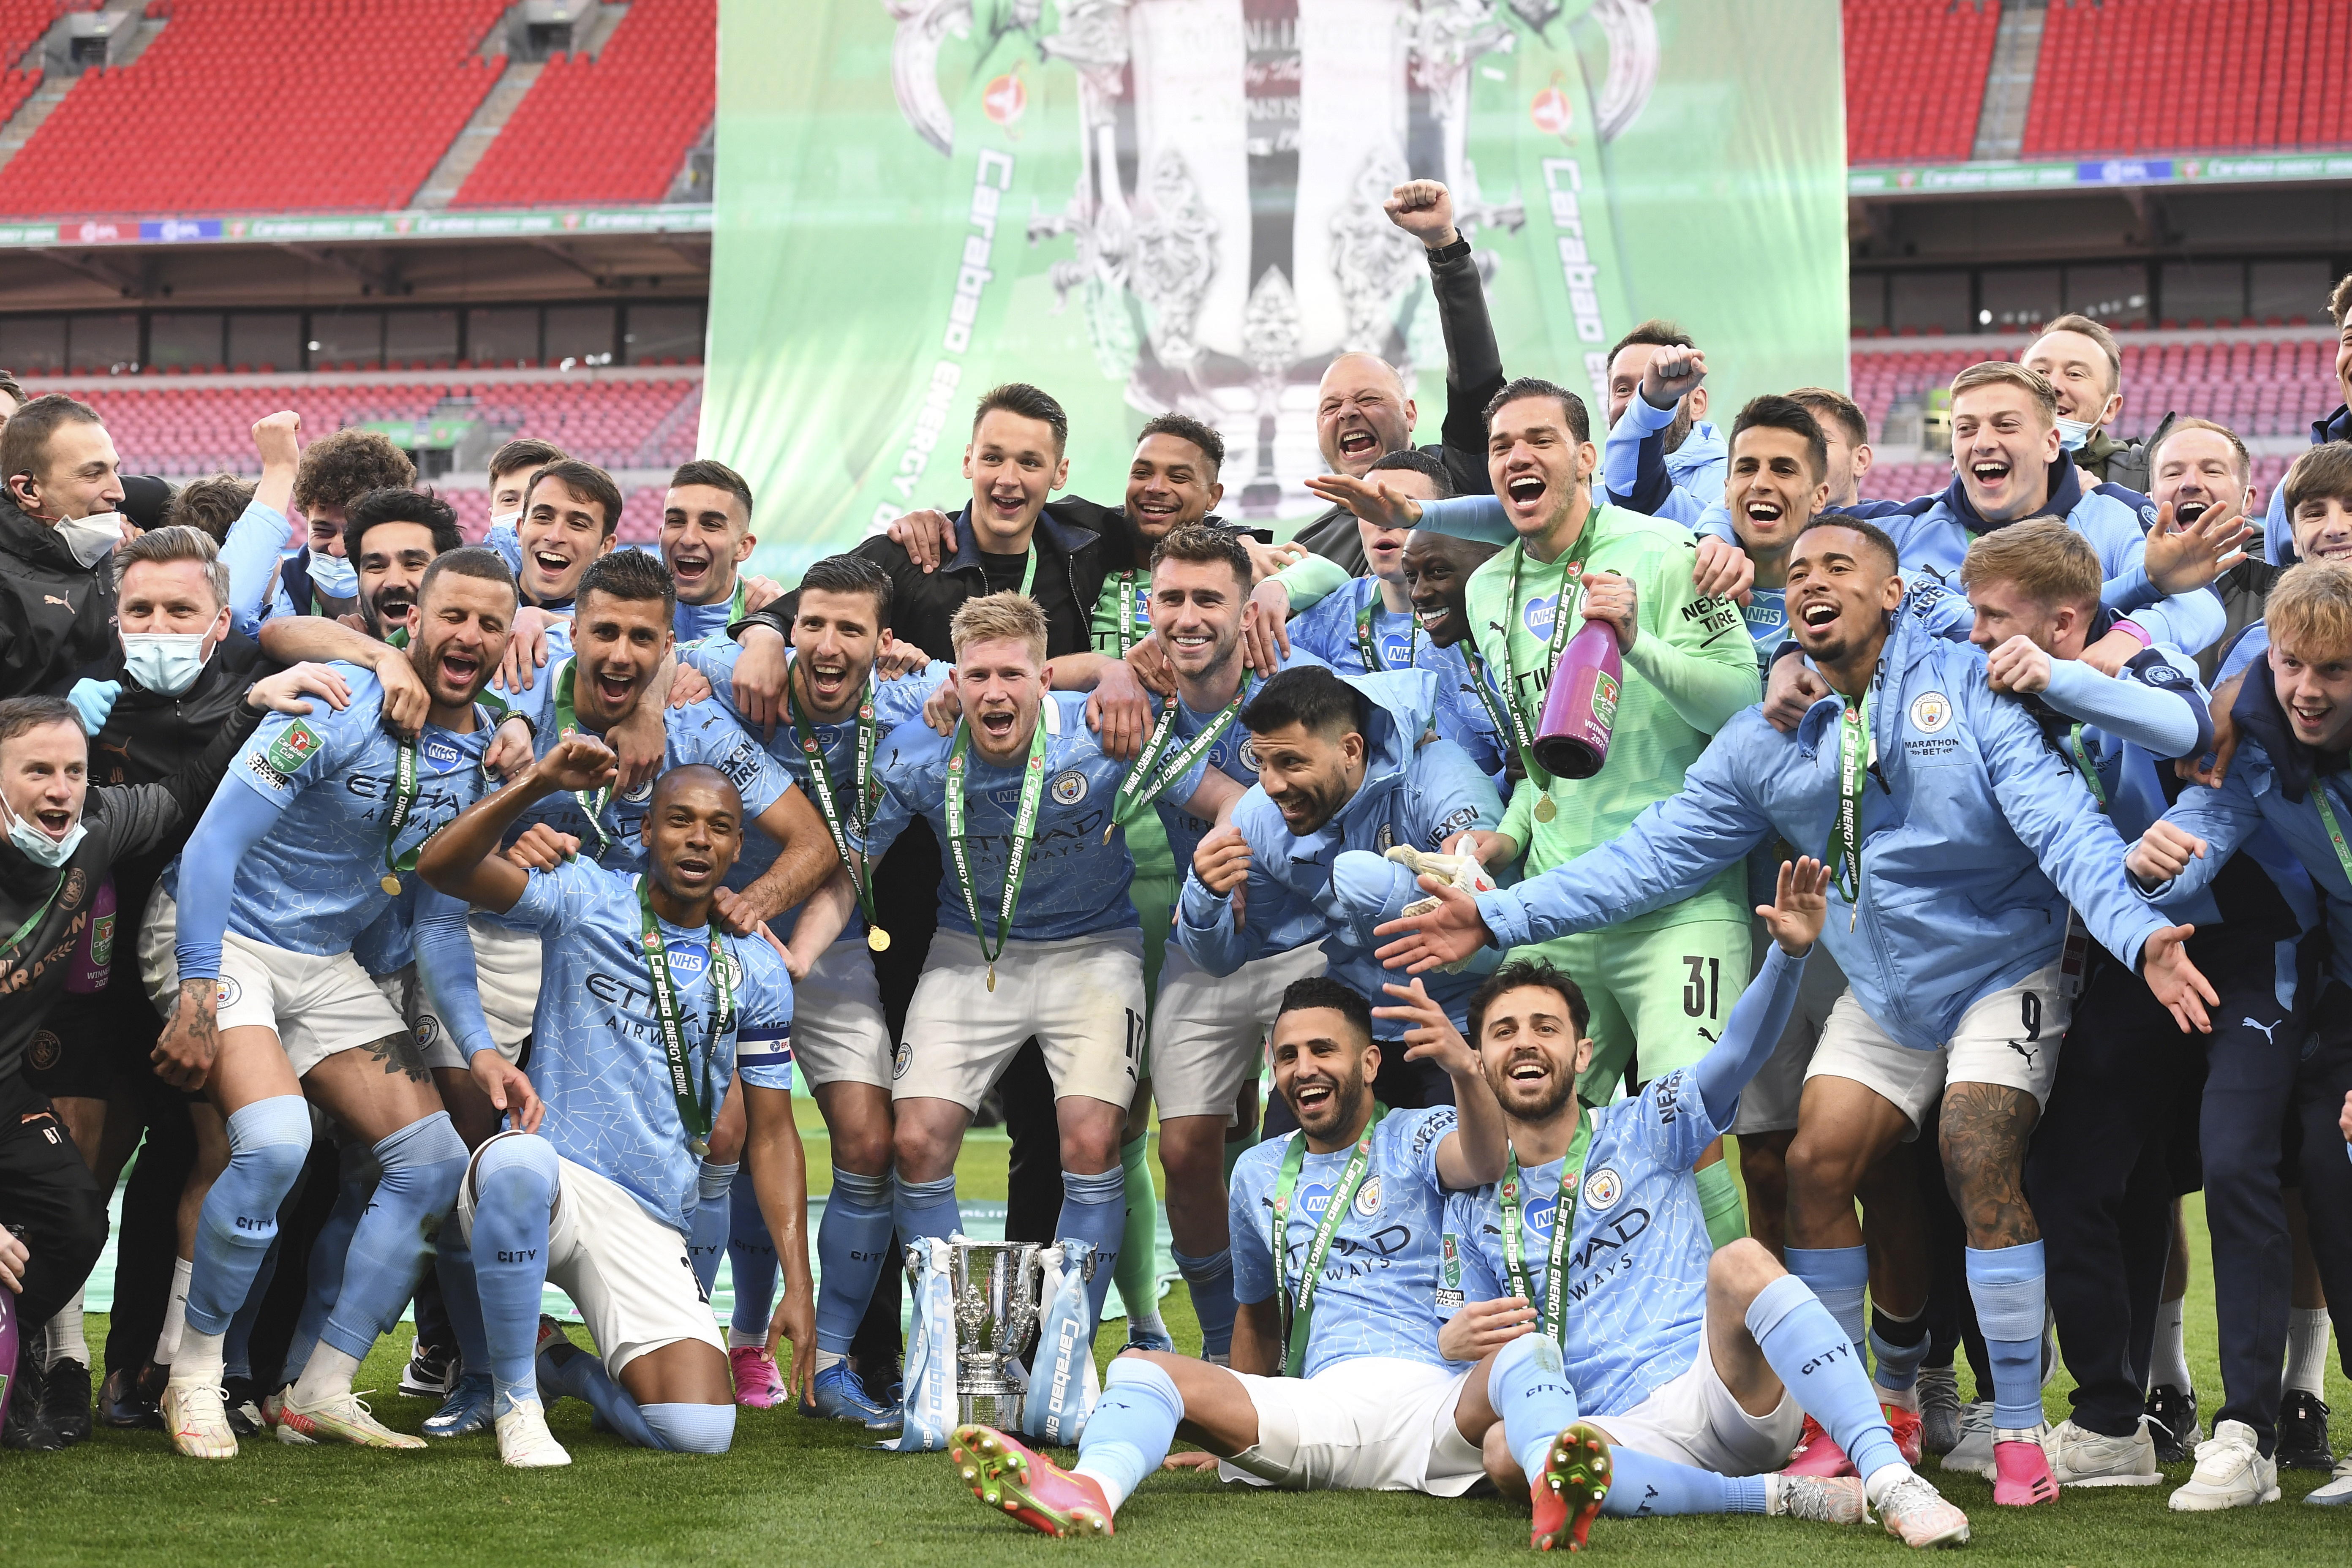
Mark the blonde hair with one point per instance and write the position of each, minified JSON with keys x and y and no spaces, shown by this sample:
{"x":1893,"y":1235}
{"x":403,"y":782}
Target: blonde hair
{"x":177,"y":542}
{"x":2002,"y":372}
{"x":2245,"y":459}
{"x":2049,"y":562}
{"x":999,"y":617}
{"x":2309,"y":611}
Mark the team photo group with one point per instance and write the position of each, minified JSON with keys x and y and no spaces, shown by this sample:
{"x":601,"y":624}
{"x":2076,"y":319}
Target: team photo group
{"x":1651,"y":978}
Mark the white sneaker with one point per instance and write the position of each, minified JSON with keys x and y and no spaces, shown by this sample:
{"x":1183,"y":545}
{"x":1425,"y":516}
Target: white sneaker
{"x":2231,"y":1473}
{"x":2082,"y":1457}
{"x":1918,"y":1515}
{"x":195,"y":1413}
{"x":344,"y":1417}
{"x":524,"y":1440}
{"x":1972,"y":1455}
{"x":1825,"y":1500}
{"x":2338,"y":1490}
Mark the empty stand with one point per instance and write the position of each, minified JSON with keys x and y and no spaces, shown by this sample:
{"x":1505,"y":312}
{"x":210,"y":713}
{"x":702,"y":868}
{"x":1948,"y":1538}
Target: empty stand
{"x":263,"y":105}
{"x":1914,"y":78}
{"x":616,"y":128}
{"x":181,"y":428}
{"x":2133,"y":76}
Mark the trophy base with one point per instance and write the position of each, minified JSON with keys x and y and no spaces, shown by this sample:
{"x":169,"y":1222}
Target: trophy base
{"x":1002,"y":1411}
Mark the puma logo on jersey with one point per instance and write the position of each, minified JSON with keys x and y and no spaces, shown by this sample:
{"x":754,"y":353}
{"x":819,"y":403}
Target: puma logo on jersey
{"x":2267,"y":1029}
{"x":53,"y":599}
{"x":2028,"y":1051}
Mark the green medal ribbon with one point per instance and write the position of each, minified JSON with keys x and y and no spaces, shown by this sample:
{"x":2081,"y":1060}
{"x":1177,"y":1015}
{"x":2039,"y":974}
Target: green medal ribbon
{"x":829,"y":806}
{"x":404,"y":800}
{"x":735,"y":607}
{"x":693,"y":1109}
{"x":8,"y":948}
{"x":1146,"y":779}
{"x":1844,"y":851}
{"x":1485,"y":698}
{"x":1301,"y":1324}
{"x":2335,"y":833}
{"x":2081,"y":755}
{"x":1367,"y":647}
{"x":1129,"y":619}
{"x":1554,"y":1320}
{"x":567,"y":723}
{"x":1025,"y":829}
{"x":1523,"y":729}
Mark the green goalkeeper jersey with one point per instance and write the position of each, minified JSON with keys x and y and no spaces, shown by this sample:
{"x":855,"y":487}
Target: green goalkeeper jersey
{"x":1691,"y":668}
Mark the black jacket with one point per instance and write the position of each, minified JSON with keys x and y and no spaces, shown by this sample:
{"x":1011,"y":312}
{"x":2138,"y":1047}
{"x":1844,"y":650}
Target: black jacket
{"x":56,"y":614}
{"x":1473,"y":374}
{"x":122,"y":821}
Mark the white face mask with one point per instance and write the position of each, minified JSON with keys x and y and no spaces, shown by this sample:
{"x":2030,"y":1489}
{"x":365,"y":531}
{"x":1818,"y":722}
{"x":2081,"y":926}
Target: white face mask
{"x":93,"y":538}
{"x":2073,"y":433}
{"x":164,"y":662}
{"x":506,"y":519}
{"x":37,"y":846}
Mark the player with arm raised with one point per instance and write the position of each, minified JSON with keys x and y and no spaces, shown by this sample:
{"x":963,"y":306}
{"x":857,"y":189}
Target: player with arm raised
{"x":1587,"y":1274}
{"x":1945,"y":1000}
{"x":648,"y":1009}
{"x":1336,"y":1381}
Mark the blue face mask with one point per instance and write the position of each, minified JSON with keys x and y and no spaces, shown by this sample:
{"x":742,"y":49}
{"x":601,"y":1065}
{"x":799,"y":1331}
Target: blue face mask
{"x":334,"y":576}
{"x":164,"y":662}
{"x":38,"y":847}
{"x":2073,"y":433}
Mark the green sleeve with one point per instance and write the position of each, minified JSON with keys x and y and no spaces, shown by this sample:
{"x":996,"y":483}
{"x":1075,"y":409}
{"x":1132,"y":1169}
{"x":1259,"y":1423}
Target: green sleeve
{"x":1518,"y":816}
{"x":1690,"y":648}
{"x":1311,"y":580}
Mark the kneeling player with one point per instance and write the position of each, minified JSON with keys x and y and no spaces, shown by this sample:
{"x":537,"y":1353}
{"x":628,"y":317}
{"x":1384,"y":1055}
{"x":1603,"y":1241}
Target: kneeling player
{"x":646,"y":1010}
{"x":1338,"y":1381}
{"x":1674,"y":1350}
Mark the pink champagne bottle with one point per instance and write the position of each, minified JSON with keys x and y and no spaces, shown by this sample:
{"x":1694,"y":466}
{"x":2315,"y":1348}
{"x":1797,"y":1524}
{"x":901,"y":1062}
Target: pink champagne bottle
{"x":1581,"y":707}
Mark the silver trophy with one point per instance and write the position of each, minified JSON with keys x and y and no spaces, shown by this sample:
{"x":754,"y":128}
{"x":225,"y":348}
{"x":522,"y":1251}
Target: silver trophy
{"x":996,"y":1286}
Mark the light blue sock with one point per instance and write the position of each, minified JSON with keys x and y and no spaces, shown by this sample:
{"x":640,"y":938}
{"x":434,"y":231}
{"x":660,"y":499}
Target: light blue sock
{"x":1094,"y":1208}
{"x":1898,"y":1365}
{"x":568,"y":1369}
{"x":1211,"y":1280}
{"x":851,"y":1242}
{"x":453,"y":1263}
{"x":515,"y":1182}
{"x":423,"y":1163}
{"x":330,"y":1250}
{"x":1817,"y":1364}
{"x":751,"y":1261}
{"x":1132,"y":1424}
{"x":705,"y":1241}
{"x":1839,"y":1276}
{"x":268,"y":1142}
{"x":2006,"y":1284}
{"x":1641,"y":1487}
{"x":236,"y":1350}
{"x":928,"y":1209}
{"x":1529,"y":1387}
{"x":691,"y":1429}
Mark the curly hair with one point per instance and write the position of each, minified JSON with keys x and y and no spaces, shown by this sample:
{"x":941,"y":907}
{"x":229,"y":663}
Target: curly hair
{"x":338,"y":469}
{"x":210,"y":506}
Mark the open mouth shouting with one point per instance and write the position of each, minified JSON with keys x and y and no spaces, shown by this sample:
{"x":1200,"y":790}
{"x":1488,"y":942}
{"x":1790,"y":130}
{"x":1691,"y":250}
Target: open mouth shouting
{"x":692,"y":566}
{"x":996,"y":724}
{"x":1763,"y":514}
{"x":1816,"y":617}
{"x":56,"y":821}
{"x":545,"y":566}
{"x":615,"y":687}
{"x":1313,"y":1099}
{"x":691,"y":870}
{"x":1991,"y":474}
{"x":828,"y":681}
{"x":1524,"y":494}
{"x":1359,"y":443}
{"x":1006,"y":503}
{"x":455,"y":670}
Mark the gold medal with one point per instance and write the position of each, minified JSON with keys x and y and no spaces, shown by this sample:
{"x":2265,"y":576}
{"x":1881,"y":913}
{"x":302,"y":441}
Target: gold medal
{"x":390,"y":884}
{"x":1545,"y":810}
{"x":877,"y":939}
{"x":991,"y":977}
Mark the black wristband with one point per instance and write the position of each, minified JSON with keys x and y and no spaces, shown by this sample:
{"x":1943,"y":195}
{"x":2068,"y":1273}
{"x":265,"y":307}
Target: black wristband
{"x":1453,"y":252}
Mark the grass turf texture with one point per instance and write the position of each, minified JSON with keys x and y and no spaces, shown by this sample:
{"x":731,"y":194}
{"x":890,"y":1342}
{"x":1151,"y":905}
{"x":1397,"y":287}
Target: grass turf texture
{"x":795,"y":1490}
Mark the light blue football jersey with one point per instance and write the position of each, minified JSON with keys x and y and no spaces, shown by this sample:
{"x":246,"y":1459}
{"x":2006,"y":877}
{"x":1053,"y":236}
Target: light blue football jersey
{"x":1326,"y":629}
{"x":312,"y":884}
{"x":1232,"y":756}
{"x":695,"y":623}
{"x":704,"y":732}
{"x":1378,"y":1295}
{"x":596,"y":1051}
{"x":1638,"y":1251}
{"x":1077,"y":883}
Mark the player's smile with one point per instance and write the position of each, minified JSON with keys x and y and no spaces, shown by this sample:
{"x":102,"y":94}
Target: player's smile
{"x":691,"y":564}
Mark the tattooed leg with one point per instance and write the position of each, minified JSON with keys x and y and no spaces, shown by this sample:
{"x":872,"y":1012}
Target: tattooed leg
{"x":1986,"y":1130}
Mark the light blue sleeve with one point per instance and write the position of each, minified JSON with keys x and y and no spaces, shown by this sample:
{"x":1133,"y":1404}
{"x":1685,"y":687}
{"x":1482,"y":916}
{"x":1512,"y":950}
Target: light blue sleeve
{"x":236,"y":821}
{"x":2192,"y":622}
{"x":2055,"y":816}
{"x":2224,"y":818}
{"x":763,"y":1033}
{"x":554,"y":901}
{"x":251,"y":553}
{"x":280,"y":601}
{"x":1715,"y":522}
{"x":507,"y":540}
{"x":1450,"y":793}
{"x":1667,"y":854}
{"x":2166,"y":720}
{"x":1479,"y":519}
{"x":445,"y":962}
{"x":1750,"y":1034}
{"x":2278,"y":533}
{"x":1206,"y":926}
{"x":1621,"y":453}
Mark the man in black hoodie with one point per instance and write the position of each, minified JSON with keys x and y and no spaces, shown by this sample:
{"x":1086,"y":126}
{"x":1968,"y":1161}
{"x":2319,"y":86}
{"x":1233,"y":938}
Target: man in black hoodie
{"x":60,"y":520}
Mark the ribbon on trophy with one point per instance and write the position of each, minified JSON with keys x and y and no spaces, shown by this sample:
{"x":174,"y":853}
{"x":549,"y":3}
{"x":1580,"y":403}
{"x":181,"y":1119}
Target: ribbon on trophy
{"x":1063,"y":1381}
{"x":930,"y":1401}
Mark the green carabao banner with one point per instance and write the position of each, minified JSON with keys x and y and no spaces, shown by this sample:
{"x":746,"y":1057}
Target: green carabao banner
{"x":1145,"y":205}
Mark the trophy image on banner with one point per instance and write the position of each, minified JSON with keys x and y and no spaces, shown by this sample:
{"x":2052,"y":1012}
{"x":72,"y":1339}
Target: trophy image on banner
{"x":1227,"y":230}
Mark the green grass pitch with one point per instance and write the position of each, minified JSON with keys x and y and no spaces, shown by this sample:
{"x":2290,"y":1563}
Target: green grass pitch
{"x":800,"y":1492}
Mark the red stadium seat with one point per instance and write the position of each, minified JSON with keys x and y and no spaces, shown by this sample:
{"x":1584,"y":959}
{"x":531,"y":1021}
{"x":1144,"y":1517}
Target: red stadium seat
{"x":1915,"y":75}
